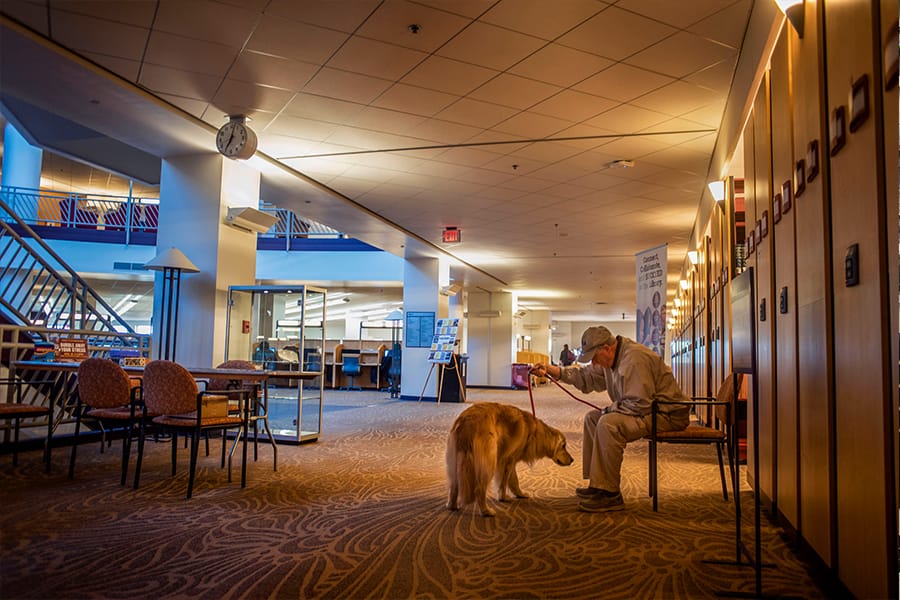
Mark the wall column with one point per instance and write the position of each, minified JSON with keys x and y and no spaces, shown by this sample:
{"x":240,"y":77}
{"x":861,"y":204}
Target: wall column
{"x":21,"y":168}
{"x":422,"y":280}
{"x":195,"y":194}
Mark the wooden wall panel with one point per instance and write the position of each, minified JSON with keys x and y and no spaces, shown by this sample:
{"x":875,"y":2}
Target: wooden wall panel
{"x":866,"y":534}
{"x":765,"y":349}
{"x":814,"y":356}
{"x":750,"y":217}
{"x":784,"y":302}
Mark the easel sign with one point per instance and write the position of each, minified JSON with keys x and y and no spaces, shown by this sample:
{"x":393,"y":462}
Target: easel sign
{"x":70,"y":350}
{"x":444,"y":340}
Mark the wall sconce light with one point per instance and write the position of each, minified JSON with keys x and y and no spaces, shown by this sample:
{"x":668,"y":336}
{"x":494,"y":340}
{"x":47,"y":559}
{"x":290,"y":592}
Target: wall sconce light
{"x":693,"y":256}
{"x":793,"y":10}
{"x":718,"y":190}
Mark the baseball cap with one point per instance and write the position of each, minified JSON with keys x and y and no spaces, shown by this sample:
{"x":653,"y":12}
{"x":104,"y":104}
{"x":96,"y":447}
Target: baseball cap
{"x":592,"y":340}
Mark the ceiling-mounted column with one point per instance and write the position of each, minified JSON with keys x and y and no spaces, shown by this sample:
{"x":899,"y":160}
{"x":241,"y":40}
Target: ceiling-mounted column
{"x":422,"y":281}
{"x":195,"y":195}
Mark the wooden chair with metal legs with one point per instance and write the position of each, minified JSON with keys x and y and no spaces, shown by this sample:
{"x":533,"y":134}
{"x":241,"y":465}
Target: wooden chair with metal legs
{"x":14,"y":410}
{"x":719,"y":433}
{"x":107,"y":395}
{"x":171,"y":391}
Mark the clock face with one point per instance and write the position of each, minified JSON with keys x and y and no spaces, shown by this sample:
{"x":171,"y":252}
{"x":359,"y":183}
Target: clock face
{"x":236,"y":140}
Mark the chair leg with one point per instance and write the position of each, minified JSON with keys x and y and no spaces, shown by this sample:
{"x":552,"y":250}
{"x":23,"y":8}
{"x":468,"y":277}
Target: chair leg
{"x":244,"y":460}
{"x":75,"y":442}
{"x":175,"y":449}
{"x":126,"y":452}
{"x":654,"y":491}
{"x":140,"y":456}
{"x":47,"y":457}
{"x":195,"y":449}
{"x":722,"y":471}
{"x":16,"y":442}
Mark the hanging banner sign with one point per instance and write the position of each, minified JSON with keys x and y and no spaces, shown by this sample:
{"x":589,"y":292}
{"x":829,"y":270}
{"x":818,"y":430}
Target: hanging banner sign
{"x":650,"y":313}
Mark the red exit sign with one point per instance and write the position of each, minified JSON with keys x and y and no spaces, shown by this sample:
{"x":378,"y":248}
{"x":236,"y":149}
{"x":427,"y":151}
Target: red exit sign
{"x":451,"y":235}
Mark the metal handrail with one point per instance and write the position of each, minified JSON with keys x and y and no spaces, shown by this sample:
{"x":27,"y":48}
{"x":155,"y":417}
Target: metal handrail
{"x":131,"y":214}
{"x":34,"y":291}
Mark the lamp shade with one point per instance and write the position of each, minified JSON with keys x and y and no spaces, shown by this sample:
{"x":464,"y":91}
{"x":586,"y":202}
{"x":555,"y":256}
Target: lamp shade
{"x":394,"y":315}
{"x":173,"y":258}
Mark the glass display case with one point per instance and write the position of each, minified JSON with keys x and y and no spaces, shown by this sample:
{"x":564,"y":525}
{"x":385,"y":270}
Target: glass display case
{"x":282,"y":329}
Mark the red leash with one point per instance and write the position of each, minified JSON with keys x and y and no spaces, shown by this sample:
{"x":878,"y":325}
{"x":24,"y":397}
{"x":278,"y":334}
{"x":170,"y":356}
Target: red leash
{"x":559,"y":385}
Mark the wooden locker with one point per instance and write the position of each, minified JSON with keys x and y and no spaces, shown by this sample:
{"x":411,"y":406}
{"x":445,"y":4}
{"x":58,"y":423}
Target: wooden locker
{"x":862,"y":219}
{"x":784,"y":310}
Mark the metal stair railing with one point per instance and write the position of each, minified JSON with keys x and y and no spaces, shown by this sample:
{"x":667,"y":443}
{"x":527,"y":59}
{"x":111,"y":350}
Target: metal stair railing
{"x":38,"y":288}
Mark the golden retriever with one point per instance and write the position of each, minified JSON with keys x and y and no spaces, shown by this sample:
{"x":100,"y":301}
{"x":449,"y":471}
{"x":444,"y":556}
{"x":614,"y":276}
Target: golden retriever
{"x":486,"y":442}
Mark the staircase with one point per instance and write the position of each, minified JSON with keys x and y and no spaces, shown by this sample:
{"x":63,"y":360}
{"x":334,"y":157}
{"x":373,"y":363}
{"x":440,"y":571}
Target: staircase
{"x":42,"y":299}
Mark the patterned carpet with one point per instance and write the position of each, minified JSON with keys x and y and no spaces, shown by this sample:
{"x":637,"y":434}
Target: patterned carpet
{"x":360,"y":514}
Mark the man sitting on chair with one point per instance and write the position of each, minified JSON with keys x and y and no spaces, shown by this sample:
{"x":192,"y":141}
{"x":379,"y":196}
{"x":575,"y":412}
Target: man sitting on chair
{"x":634,"y":376}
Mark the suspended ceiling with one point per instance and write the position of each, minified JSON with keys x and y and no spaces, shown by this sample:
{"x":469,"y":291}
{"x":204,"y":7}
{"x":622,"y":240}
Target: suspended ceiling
{"x":513,"y":120}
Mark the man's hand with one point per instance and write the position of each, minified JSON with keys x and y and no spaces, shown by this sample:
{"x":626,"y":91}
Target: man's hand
{"x":542,"y":370}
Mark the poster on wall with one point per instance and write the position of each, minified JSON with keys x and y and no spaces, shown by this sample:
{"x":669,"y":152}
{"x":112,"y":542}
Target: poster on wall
{"x":650,"y":313}
{"x":419,"y":329}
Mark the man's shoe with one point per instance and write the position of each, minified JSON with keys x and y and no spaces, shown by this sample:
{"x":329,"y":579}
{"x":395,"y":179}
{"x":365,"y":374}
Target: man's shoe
{"x":602,"y":503}
{"x":589,"y":492}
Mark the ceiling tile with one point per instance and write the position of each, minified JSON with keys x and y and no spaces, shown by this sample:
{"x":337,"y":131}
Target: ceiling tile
{"x":240,"y":97}
{"x":379,"y":119}
{"x":532,"y":125}
{"x":414,"y":100}
{"x":514,"y":91}
{"x":677,"y":14}
{"x":476,"y":113}
{"x":346,"y":86}
{"x":100,"y":36}
{"x":547,"y":20}
{"x":681,"y":54}
{"x":178,"y":83}
{"x":186,"y":54}
{"x":623,"y":82}
{"x":374,"y":58}
{"x":677,"y":98}
{"x":443,"y":132}
{"x":342,"y":16}
{"x":205,"y":20}
{"x":489,"y":46}
{"x":271,"y":70}
{"x":616,"y":34}
{"x":322,"y":108}
{"x":626,"y":118}
{"x":560,"y":65}
{"x":123,"y":67}
{"x":446,"y":75}
{"x":573,"y":106}
{"x":139,"y":13}
{"x":295,"y":40}
{"x":392,"y":20}
{"x":726,"y":26}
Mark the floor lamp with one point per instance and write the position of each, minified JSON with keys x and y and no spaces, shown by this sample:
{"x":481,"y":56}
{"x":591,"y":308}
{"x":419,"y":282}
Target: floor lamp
{"x":172,"y":263}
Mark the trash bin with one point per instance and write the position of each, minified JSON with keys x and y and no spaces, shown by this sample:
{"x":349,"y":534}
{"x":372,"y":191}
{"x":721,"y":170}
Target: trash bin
{"x":520,"y":375}
{"x":452,"y":375}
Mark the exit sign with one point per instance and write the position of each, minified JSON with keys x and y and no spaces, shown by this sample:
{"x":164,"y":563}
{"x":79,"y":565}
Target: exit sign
{"x":451,"y":235}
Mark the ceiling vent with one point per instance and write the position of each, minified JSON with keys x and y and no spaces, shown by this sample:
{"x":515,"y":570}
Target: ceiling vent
{"x":250,"y":219}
